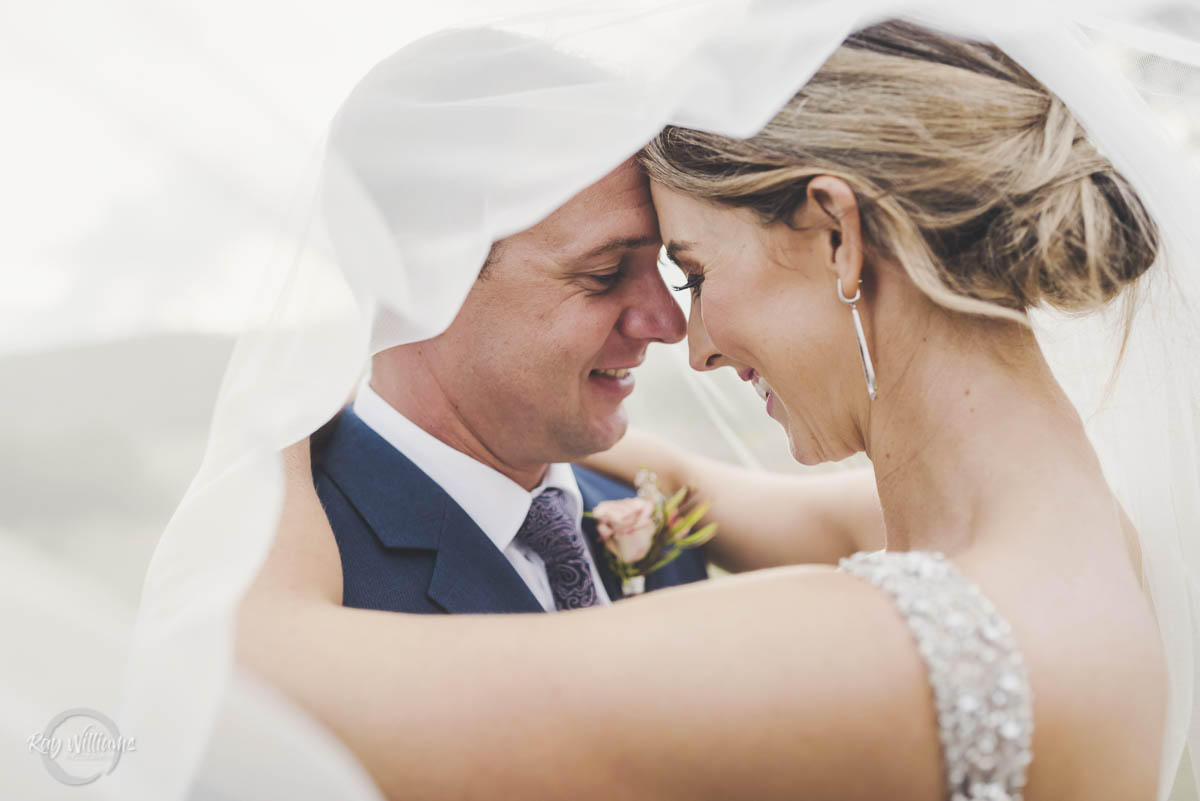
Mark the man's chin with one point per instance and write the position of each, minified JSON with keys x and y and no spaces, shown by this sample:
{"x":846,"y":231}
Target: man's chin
{"x":602,"y":434}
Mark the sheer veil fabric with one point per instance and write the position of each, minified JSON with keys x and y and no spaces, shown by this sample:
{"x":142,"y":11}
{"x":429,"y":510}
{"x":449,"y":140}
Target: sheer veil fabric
{"x":471,"y":134}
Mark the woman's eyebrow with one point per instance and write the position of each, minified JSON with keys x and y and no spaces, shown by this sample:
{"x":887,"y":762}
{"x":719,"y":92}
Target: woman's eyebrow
{"x":676,"y":247}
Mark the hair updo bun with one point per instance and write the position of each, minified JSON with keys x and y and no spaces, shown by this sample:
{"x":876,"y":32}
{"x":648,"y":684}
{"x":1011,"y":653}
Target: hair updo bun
{"x":968,"y":172}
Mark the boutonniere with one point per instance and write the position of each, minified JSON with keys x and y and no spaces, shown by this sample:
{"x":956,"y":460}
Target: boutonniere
{"x":649,"y":531}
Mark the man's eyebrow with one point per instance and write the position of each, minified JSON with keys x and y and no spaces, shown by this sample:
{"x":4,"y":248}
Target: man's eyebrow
{"x":625,"y":243}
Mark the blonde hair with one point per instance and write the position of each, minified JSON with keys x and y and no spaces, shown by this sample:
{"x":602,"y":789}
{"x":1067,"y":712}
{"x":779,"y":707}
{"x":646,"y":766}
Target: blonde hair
{"x":967,"y":171}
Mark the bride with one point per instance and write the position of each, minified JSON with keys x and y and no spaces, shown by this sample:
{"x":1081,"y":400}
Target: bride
{"x":866,"y":261}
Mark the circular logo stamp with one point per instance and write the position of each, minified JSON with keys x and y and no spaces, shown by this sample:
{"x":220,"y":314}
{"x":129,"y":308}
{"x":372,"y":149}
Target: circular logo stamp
{"x":80,"y":745}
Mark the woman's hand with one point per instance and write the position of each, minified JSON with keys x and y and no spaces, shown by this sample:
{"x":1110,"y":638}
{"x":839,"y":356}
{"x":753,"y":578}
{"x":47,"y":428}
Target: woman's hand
{"x":766,"y":519}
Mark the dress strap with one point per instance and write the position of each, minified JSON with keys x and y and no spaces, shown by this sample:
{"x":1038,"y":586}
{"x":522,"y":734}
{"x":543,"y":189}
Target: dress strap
{"x":984,"y":701}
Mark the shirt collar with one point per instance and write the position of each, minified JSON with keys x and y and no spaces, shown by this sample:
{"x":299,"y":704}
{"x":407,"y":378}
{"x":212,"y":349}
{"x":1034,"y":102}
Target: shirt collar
{"x":496,"y":503}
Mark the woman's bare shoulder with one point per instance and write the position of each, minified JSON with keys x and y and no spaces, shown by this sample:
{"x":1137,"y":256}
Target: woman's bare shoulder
{"x":1093,"y":654}
{"x":1085,"y":638}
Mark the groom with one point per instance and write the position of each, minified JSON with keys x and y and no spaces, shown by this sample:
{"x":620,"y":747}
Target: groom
{"x":448,"y":483}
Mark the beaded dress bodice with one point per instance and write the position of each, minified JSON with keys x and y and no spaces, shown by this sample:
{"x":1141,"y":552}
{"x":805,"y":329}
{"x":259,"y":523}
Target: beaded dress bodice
{"x":980,"y":687}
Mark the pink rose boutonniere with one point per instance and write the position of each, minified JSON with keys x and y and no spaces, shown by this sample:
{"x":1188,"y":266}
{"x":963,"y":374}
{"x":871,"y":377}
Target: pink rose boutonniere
{"x":649,"y":531}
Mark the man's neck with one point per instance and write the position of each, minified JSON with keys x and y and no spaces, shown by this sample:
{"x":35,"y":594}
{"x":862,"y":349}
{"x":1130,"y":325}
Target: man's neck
{"x":412,"y":389}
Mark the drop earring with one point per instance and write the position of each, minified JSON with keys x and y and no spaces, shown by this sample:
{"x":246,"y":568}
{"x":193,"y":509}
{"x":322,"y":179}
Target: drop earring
{"x":863,"y":351}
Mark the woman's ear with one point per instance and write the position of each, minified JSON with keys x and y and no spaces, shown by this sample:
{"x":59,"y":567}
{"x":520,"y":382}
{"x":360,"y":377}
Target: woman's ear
{"x":831,"y":204}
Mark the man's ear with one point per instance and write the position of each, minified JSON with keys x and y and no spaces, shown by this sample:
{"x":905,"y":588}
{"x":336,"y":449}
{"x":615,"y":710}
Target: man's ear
{"x":833,"y":204}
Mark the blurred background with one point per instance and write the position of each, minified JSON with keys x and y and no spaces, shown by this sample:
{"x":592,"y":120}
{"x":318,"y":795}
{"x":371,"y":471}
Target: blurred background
{"x":163,"y":142}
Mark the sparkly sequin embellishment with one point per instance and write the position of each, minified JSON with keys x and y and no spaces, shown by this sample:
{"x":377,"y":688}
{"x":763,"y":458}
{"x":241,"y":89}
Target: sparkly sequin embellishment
{"x":984,"y":702}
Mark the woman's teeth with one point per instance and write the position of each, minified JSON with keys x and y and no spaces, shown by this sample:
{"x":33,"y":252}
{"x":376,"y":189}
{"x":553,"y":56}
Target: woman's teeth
{"x":761,"y":387}
{"x":612,"y":373}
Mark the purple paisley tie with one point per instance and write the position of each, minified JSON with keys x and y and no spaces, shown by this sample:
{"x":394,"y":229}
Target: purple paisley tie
{"x":550,"y":532}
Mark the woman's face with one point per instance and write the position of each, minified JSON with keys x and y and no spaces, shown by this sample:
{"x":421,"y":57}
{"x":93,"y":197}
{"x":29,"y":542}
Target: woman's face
{"x":764,"y":301}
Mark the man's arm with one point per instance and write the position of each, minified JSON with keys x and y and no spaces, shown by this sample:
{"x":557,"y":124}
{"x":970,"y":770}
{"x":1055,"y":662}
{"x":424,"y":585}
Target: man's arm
{"x":765,"y":519}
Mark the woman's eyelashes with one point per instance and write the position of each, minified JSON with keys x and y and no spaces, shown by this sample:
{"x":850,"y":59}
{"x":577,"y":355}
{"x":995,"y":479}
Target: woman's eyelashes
{"x":694,"y":280}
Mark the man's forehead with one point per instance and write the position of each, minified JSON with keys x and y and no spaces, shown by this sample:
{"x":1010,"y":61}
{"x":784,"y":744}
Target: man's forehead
{"x":614,"y":213}
{"x":626,"y":179}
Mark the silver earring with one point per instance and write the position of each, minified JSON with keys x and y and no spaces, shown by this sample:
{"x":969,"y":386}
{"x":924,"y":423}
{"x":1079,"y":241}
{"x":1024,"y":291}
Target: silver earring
{"x":863,"y":351}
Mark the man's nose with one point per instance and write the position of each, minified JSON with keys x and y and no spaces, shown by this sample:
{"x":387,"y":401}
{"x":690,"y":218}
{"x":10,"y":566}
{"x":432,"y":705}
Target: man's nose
{"x":702,"y":354}
{"x":653,"y":314}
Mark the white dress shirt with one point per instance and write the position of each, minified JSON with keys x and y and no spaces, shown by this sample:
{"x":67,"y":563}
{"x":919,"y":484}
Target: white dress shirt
{"x":496,"y":503}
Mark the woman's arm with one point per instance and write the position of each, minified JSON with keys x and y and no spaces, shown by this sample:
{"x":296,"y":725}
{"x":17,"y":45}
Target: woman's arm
{"x":785,"y":684}
{"x":766,"y":519}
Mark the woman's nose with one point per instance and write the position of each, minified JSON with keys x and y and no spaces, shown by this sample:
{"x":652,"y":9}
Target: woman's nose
{"x":702,"y":354}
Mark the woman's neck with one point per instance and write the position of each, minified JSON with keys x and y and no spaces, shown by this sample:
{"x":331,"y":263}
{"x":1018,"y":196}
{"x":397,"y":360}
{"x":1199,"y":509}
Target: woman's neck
{"x":967,"y":441}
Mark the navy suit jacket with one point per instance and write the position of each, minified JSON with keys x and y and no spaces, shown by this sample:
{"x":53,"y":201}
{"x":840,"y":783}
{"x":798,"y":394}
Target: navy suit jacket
{"x":406,"y":546}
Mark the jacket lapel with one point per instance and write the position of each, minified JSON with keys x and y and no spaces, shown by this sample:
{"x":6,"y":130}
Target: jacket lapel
{"x":470,"y":575}
{"x":406,"y":509}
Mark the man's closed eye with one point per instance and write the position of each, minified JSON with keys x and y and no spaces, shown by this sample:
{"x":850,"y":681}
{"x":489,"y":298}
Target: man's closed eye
{"x":599,"y":283}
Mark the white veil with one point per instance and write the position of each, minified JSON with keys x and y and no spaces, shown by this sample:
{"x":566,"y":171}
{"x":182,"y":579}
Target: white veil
{"x":473,"y":134}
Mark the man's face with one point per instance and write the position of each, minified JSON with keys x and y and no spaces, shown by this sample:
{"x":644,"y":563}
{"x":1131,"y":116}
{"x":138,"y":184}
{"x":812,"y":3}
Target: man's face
{"x":529,"y":359}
